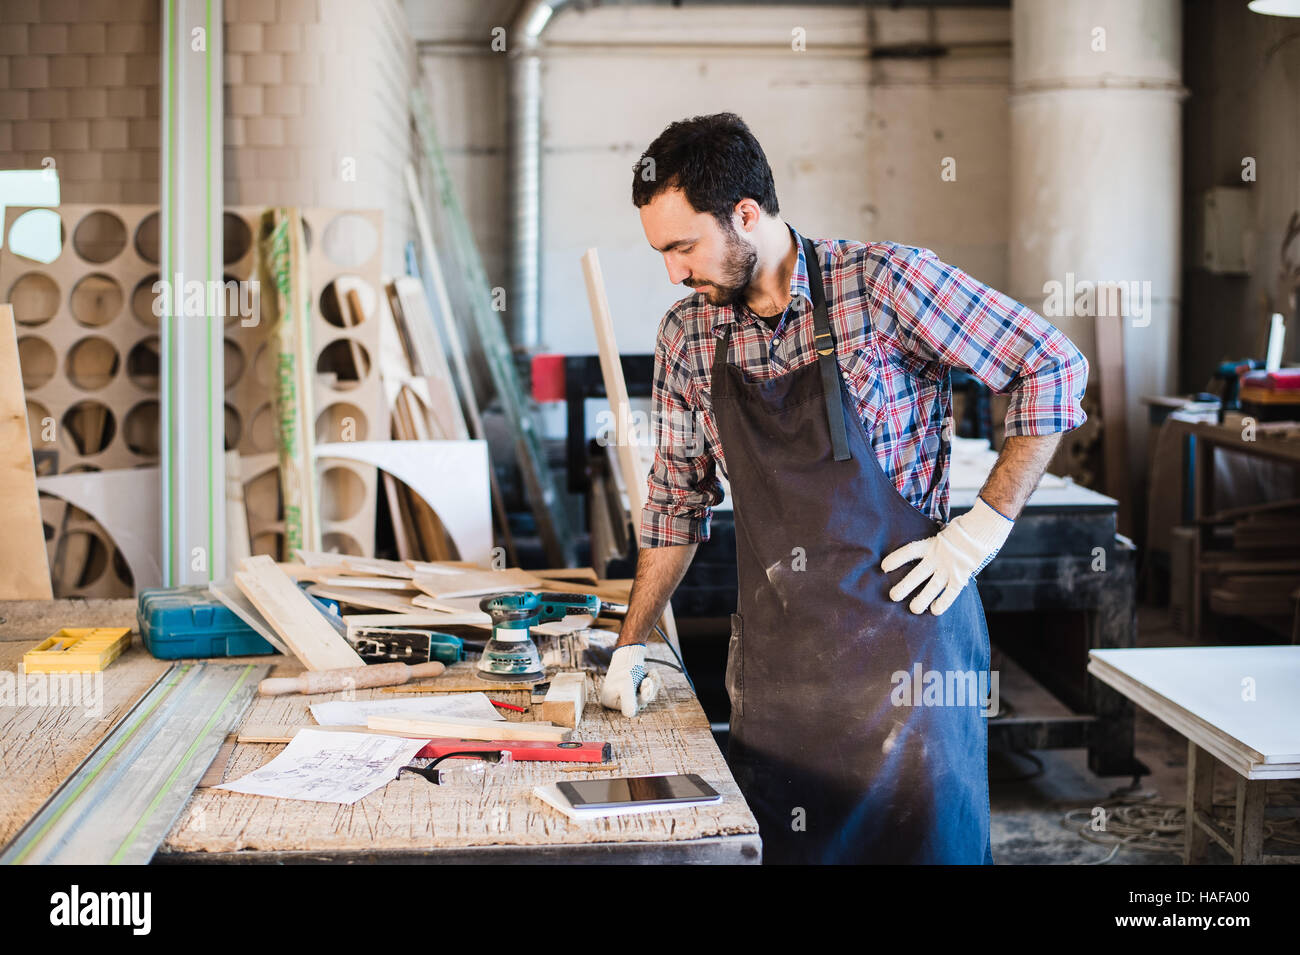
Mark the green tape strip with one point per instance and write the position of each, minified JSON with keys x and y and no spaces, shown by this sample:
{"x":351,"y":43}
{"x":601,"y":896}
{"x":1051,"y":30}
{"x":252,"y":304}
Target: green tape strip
{"x":169,"y":538}
{"x":207,"y":261}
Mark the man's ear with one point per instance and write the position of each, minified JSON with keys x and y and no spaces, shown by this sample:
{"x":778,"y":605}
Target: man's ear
{"x":747,"y":214}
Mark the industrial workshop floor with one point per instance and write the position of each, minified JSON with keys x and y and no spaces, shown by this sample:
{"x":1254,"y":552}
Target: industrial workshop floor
{"x":1030,"y":804}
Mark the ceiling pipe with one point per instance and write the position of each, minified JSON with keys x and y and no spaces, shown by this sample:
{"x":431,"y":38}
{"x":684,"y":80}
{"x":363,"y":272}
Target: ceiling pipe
{"x":525,"y":135}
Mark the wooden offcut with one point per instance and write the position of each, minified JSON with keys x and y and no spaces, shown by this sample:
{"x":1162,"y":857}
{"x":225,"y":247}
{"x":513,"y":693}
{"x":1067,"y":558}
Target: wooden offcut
{"x":565,"y":700}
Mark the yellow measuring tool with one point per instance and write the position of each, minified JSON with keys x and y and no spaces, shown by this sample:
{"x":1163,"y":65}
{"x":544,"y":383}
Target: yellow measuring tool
{"x":78,"y":650}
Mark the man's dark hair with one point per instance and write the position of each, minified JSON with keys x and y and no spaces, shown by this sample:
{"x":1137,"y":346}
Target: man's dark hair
{"x":715,"y":160}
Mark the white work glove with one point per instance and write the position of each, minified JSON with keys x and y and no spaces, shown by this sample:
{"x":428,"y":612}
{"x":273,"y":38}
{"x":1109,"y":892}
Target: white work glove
{"x":627,"y":686}
{"x":949,"y":559}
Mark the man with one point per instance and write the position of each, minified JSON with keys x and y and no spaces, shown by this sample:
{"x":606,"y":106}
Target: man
{"x":818,"y":374}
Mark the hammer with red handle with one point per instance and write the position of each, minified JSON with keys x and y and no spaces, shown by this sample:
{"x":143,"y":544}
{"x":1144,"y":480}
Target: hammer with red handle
{"x":349,"y":678}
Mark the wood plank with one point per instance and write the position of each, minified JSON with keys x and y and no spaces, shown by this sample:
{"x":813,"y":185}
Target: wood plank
{"x":565,"y":700}
{"x":399,"y":514}
{"x":466,"y":606}
{"x":1248,"y":834}
{"x":367,"y":583}
{"x":238,"y":542}
{"x":613,"y":591}
{"x":422,"y":618}
{"x":429,"y":536}
{"x":284,"y":733}
{"x":629,"y":460}
{"x":229,"y":594}
{"x":292,"y":616}
{"x":584,"y":574}
{"x":377,"y":567}
{"x":1200,"y":798}
{"x":460,"y":684}
{"x":24,"y":567}
{"x":458,"y":727}
{"x":284,"y":264}
{"x":385,"y":600}
{"x":332,"y":563}
{"x":447,"y":582}
{"x":1114,"y":410}
{"x":430,"y":360}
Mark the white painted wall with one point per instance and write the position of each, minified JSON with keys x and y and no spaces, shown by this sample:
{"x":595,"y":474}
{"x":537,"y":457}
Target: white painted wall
{"x":855,"y":145}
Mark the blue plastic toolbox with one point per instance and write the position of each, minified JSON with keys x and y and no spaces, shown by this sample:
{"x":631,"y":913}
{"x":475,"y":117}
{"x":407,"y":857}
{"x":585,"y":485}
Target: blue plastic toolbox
{"x":183,"y":622}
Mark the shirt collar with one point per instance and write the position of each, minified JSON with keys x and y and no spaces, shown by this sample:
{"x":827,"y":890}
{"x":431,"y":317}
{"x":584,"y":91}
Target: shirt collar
{"x":798,"y":287}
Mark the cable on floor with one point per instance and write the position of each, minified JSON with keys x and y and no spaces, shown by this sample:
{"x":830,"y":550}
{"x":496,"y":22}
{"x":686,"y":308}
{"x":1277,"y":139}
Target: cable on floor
{"x":1139,"y":821}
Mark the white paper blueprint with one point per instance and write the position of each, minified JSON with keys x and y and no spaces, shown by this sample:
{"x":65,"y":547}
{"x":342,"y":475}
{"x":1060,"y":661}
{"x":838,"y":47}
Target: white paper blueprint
{"x":324,"y":766}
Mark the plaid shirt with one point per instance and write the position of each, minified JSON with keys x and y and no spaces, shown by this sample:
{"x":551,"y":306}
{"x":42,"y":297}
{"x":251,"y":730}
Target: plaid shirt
{"x":901,"y":319}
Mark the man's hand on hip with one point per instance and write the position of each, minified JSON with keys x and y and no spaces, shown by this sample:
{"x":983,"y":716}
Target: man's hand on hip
{"x":627,"y":686}
{"x":948,"y":560}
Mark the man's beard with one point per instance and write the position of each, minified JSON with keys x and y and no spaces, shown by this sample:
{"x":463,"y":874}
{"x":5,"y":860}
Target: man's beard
{"x":739,"y":267}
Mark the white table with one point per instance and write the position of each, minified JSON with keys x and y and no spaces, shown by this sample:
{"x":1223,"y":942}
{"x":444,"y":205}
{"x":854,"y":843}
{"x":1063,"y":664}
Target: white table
{"x":1239,"y":706}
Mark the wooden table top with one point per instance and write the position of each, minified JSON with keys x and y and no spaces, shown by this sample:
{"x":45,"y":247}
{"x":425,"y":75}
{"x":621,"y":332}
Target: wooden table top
{"x":1240,"y":703}
{"x":407,"y":819}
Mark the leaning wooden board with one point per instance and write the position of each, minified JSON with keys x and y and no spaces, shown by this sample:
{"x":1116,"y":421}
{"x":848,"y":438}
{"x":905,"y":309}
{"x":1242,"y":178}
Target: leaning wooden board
{"x":24,"y":571}
{"x":502,"y":822}
{"x":292,"y":616}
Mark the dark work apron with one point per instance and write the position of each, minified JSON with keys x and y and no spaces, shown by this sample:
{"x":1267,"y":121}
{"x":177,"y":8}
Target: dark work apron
{"x":832,"y":766}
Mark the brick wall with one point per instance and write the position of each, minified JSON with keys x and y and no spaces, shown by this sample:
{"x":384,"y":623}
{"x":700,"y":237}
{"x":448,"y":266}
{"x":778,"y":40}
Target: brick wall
{"x":79,"y":86}
{"x":315,"y":101}
{"x":316,"y":107}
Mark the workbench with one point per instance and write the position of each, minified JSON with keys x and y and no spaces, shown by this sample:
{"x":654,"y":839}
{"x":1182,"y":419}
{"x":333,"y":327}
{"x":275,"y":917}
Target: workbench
{"x":1238,"y":707}
{"x":409,"y":820}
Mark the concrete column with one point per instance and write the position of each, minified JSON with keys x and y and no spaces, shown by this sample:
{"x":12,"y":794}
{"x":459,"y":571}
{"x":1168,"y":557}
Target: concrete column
{"x":1096,"y":152}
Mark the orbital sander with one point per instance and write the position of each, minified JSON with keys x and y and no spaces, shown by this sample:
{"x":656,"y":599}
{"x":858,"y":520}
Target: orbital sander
{"x":511,"y":656}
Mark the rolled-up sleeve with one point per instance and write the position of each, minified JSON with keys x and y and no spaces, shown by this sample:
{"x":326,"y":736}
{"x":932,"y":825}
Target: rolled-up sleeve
{"x":945,"y":315}
{"x":683,"y":487}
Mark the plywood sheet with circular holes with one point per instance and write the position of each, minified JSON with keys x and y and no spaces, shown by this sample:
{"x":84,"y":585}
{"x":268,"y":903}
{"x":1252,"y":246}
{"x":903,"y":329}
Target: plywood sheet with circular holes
{"x":77,"y":330}
{"x":90,"y":352}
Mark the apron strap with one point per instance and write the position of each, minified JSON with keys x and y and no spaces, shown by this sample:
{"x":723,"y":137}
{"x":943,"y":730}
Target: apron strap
{"x":720,"y":350}
{"x":825,"y":345}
